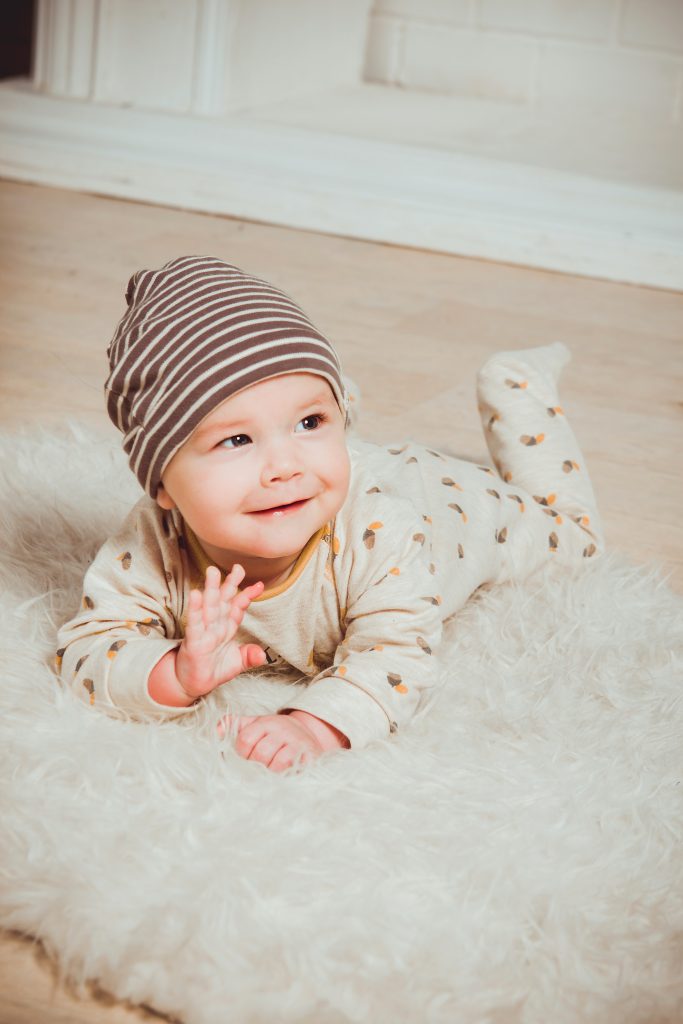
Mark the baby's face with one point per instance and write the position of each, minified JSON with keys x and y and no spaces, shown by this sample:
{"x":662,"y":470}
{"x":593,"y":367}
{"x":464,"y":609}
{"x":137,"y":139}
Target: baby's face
{"x":262,"y":473}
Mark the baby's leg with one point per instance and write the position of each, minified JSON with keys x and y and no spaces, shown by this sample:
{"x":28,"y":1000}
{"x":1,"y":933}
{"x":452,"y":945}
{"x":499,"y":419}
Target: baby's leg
{"x":533,"y":447}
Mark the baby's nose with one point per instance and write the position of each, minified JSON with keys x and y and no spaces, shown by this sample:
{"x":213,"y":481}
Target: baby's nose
{"x":281,"y":462}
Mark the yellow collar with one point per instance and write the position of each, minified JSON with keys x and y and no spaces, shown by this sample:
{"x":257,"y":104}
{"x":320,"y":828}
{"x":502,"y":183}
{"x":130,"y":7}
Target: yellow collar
{"x":200,"y":562}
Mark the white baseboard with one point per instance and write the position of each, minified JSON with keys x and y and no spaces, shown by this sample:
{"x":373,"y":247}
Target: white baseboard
{"x":382,"y":191}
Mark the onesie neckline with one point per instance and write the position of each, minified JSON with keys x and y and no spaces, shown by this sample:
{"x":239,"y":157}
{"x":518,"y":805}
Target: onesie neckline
{"x":200,"y":561}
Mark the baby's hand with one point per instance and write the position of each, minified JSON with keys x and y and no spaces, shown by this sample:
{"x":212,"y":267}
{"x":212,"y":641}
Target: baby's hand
{"x":280,"y":741}
{"x":208,"y":656}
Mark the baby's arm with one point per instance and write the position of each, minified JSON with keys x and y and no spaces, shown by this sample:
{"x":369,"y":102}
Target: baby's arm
{"x":393,"y":624}
{"x":129,"y":623}
{"x":382,"y":666}
{"x":208,"y":655}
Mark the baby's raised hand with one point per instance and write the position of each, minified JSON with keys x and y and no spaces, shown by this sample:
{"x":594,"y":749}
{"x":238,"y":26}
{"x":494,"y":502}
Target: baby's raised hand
{"x":208,"y":655}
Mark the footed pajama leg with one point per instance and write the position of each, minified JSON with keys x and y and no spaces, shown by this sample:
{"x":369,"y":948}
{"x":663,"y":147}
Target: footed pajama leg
{"x":534,"y":448}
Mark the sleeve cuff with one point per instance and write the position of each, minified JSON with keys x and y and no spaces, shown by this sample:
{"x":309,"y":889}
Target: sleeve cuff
{"x":127,"y":683}
{"x":346,"y":707}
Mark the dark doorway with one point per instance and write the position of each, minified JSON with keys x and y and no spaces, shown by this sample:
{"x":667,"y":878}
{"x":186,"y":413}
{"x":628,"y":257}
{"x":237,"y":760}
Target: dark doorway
{"x":16,"y":38}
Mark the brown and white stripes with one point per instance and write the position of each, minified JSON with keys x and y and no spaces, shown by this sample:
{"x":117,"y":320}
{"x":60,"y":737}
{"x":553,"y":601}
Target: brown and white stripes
{"x":196,"y":332}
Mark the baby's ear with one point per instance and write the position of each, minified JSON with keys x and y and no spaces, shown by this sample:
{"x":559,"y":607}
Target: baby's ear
{"x":164,"y":499}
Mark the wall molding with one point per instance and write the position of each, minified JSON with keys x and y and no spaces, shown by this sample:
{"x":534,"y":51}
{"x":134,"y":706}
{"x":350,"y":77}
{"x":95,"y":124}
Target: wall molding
{"x":341,"y":184}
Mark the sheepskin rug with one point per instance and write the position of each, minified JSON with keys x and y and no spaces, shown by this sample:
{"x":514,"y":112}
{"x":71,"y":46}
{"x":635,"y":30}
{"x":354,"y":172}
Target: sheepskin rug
{"x":515,"y":857}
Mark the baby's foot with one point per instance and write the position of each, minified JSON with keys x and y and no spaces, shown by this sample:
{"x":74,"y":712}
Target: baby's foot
{"x":515,"y":368}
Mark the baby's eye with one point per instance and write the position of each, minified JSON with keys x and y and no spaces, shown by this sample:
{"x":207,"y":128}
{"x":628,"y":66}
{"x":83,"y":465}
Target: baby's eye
{"x":312,"y":422}
{"x":236,"y":441}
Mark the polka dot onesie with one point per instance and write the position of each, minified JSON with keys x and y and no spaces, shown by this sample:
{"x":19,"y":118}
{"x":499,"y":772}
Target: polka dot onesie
{"x":360,"y":615}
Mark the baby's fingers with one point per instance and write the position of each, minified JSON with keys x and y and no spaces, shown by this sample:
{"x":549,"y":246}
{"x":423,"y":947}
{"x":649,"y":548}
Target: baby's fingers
{"x":212,"y":579}
{"x":212,"y":596}
{"x":232,"y":613}
{"x":231,"y":582}
{"x":234,"y":610}
{"x":243,"y":599}
{"x":195,"y":618}
{"x":252,"y":656}
{"x":227,"y":721}
{"x":288,"y":757}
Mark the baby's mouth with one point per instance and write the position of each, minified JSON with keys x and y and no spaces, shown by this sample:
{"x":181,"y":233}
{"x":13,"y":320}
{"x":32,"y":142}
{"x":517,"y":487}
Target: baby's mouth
{"x":292,"y":506}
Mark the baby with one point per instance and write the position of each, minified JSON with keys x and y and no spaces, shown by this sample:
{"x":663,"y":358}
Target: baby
{"x":267,"y":534}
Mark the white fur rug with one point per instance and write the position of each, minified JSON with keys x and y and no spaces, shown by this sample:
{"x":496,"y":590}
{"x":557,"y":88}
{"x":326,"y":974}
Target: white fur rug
{"x":515,"y":857}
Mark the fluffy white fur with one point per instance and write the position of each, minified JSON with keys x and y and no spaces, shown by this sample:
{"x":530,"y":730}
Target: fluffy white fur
{"x":515,"y":856}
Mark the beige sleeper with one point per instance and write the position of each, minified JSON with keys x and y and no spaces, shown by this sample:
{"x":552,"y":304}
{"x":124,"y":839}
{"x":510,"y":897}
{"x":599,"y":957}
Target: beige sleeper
{"x":361,"y":612}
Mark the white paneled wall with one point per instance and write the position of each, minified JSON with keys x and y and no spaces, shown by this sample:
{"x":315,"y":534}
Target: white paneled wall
{"x":197,"y":56}
{"x":125,"y":53}
{"x":541,"y":132}
{"x":624,"y":55}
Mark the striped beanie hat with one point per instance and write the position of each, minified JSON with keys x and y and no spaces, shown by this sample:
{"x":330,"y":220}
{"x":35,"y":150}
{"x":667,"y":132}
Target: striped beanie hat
{"x":196,"y":332}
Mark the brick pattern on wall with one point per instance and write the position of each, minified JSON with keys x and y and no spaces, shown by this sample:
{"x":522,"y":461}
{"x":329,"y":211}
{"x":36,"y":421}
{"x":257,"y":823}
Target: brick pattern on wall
{"x":619,"y":55}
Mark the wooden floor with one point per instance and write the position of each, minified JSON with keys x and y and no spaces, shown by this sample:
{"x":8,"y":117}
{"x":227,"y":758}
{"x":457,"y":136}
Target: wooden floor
{"x":411,"y":327}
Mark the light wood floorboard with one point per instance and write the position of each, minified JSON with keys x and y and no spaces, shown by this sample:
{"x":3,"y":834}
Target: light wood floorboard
{"x":412,"y":328}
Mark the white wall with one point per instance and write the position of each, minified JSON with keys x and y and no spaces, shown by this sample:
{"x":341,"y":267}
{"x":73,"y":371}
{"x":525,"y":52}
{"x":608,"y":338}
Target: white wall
{"x":258,"y":109}
{"x":206,"y":57}
{"x":622,"y":55}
